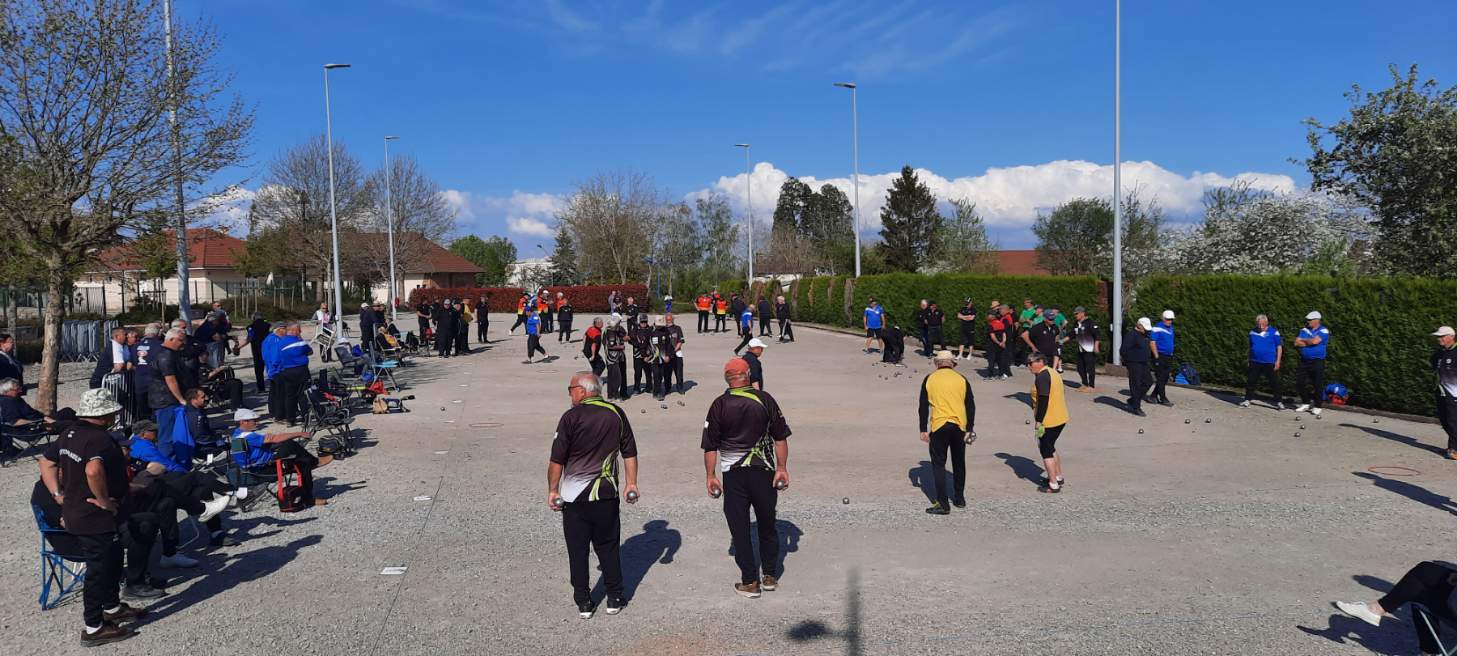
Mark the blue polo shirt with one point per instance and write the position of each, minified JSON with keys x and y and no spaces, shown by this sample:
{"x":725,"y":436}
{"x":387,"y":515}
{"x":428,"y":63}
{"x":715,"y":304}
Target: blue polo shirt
{"x":1264,"y":346}
{"x":270,"y":355}
{"x":147,"y":451}
{"x":873,"y":317}
{"x":1316,"y":352}
{"x":533,"y":324}
{"x":746,"y":319}
{"x":257,"y":452}
{"x":292,"y":352}
{"x":1162,"y":335}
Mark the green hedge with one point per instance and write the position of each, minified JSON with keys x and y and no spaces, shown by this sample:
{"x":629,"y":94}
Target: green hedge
{"x":1380,"y":329}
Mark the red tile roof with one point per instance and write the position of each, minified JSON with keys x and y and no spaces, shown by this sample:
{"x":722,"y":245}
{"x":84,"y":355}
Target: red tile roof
{"x":207,"y":248}
{"x":432,"y":257}
{"x":1019,"y":263}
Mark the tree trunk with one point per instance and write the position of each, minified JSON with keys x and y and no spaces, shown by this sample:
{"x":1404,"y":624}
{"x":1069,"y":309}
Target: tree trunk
{"x":50,"y":362}
{"x":12,"y":310}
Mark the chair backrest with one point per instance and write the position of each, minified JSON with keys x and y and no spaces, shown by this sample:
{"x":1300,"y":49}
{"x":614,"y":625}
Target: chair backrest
{"x":344,"y":354}
{"x":41,"y":523}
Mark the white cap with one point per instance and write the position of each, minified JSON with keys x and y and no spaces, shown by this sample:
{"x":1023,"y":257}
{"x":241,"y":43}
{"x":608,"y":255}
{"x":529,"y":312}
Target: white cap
{"x":1168,"y":314}
{"x":1313,"y":315}
{"x":756,"y":343}
{"x":244,"y":414}
{"x":1445,"y":331}
{"x":1144,"y":323}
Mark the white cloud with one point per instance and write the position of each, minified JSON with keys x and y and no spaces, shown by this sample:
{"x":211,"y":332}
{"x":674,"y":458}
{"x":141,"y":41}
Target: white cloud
{"x":1008,"y":197}
{"x":528,"y":226}
{"x":227,"y":209}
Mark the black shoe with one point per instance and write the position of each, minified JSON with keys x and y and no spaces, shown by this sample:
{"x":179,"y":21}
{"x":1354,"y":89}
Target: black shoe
{"x":1166,"y":402}
{"x":157,"y":582}
{"x":1042,"y":482}
{"x":108,"y":634}
{"x":586,"y":609}
{"x":141,"y":592}
{"x":124,"y":613}
{"x":614,"y":604}
{"x":938,"y":509}
{"x":1139,"y":413}
{"x":224,"y":540}
{"x":959,"y":503}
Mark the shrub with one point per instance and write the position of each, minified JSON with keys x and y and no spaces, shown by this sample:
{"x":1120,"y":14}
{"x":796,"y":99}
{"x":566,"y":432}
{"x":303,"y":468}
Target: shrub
{"x":1380,"y":328}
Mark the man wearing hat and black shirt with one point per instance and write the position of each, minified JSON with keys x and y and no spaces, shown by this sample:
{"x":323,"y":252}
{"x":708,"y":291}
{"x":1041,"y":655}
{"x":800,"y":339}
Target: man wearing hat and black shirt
{"x":1137,"y":351}
{"x":947,"y":412}
{"x":642,"y":354}
{"x":1042,"y":338}
{"x":581,"y":484}
{"x":1444,"y":362}
{"x":1089,"y":340}
{"x":670,"y":338}
{"x":89,"y":475}
{"x":751,"y":356}
{"x":1310,"y":377}
{"x":744,"y":439}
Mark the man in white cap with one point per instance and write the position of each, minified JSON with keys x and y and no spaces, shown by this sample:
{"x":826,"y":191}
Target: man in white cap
{"x":751,"y":356}
{"x":86,"y":470}
{"x":1162,"y":335}
{"x":1136,"y":352}
{"x":263,"y":449}
{"x":1444,"y":362}
{"x":1310,"y":377}
{"x":947,"y":412}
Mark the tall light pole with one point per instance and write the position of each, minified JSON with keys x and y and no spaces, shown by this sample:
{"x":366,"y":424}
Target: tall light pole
{"x":855,"y":139}
{"x":1117,"y":181}
{"x":389,"y":219}
{"x":333,"y":214}
{"x":749,"y":207}
{"x":184,"y":302}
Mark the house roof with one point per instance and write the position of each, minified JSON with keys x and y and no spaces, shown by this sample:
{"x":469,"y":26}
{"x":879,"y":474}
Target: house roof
{"x":426,"y":256}
{"x":1019,"y":263}
{"x":207,"y":248}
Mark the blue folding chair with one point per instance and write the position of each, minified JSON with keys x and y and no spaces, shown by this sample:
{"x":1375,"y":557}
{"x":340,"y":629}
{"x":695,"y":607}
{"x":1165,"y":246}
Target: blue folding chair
{"x":60,"y":574}
{"x":1428,"y":619}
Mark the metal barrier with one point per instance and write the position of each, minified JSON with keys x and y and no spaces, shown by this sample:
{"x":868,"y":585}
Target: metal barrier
{"x":82,"y":341}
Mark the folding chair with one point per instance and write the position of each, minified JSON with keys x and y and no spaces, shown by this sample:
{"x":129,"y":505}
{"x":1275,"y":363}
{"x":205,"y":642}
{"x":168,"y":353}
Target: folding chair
{"x":60,"y":573}
{"x":335,"y":418}
{"x":1428,"y":619}
{"x":240,"y":477}
{"x":35,"y":434}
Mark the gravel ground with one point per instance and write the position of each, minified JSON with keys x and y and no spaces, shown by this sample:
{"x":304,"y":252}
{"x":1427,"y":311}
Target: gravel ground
{"x":1224,"y":537}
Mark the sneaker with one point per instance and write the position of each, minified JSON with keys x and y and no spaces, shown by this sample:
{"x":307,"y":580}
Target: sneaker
{"x":938,"y":509}
{"x":1360,"y":611}
{"x":1315,"y":411}
{"x":614,"y":604}
{"x":108,"y":634}
{"x":123,"y":613}
{"x":176,"y":561}
{"x":1244,"y":404}
{"x":1279,"y":406}
{"x":140,"y":592}
{"x":213,"y":508}
{"x":750,"y":590}
{"x":769,"y":583}
{"x":586,"y":609}
{"x":1302,"y":407}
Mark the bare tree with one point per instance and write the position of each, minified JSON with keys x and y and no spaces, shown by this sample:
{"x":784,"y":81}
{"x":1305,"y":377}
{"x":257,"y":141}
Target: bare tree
{"x":84,"y":97}
{"x":610,"y":215}
{"x":421,"y":216}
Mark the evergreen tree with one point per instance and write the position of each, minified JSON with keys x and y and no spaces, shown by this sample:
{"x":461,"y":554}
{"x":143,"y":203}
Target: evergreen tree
{"x":795,"y":198}
{"x":910,"y":223}
{"x":563,"y":258}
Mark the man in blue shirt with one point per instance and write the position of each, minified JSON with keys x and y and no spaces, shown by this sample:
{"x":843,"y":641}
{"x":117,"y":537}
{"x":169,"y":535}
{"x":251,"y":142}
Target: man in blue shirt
{"x":1310,"y":377}
{"x":1266,"y":352}
{"x":291,"y":357}
{"x":1162,"y":335}
{"x":874,"y":321}
{"x":746,"y":327}
{"x":261,"y":450}
{"x":533,"y":333}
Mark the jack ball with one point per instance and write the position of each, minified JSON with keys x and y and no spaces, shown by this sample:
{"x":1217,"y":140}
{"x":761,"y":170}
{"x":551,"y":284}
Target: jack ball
{"x":845,"y":501}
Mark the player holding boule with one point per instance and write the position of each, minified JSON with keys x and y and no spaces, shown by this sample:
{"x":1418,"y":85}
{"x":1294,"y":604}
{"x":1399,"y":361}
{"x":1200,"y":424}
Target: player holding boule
{"x":744,"y":438}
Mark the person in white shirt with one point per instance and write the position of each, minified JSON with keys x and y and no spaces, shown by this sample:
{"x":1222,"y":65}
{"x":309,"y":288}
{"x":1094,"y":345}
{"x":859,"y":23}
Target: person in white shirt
{"x":326,"y":324}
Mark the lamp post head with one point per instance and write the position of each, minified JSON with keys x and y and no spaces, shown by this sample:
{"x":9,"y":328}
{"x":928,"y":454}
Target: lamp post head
{"x":330,"y":66}
{"x":390,"y":137}
{"x":847,"y":85}
{"x":741,"y":145}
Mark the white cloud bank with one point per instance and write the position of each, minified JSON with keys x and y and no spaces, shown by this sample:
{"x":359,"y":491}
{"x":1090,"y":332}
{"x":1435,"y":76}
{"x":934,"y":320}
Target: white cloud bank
{"x":1008,"y":197}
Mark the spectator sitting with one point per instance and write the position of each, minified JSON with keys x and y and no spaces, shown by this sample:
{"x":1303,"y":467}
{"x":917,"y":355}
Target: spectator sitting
{"x":205,"y":440}
{"x":263,"y":449}
{"x":14,"y":411}
{"x":197,"y":493}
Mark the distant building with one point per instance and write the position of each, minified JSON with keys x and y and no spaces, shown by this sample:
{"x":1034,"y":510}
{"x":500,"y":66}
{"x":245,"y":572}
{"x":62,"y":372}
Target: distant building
{"x":1019,"y":263}
{"x":118,"y":278}
{"x":422,"y":263}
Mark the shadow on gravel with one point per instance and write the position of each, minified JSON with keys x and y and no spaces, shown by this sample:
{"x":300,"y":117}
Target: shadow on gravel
{"x":789,"y":535}
{"x":241,"y":567}
{"x":1025,"y":398}
{"x":1387,"y":639}
{"x":1111,"y":402}
{"x":1414,"y":492}
{"x":1398,"y":438}
{"x":810,"y":630}
{"x":656,"y":544}
{"x":1024,"y":468}
{"x":924,"y":477}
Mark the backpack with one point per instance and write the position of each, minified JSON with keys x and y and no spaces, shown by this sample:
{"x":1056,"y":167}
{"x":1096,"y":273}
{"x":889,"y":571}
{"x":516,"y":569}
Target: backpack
{"x":1187,"y":375}
{"x":290,"y":497}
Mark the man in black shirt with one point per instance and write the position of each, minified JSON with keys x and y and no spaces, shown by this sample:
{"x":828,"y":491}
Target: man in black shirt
{"x":935,"y":338}
{"x":786,"y":327}
{"x":1137,"y":352}
{"x":895,"y":343}
{"x":614,"y":347}
{"x":483,"y":318}
{"x":631,"y":311}
{"x":751,"y":357}
{"x":766,"y":313}
{"x":445,"y":328}
{"x":90,"y":472}
{"x":1089,"y":341}
{"x":253,"y":337}
{"x":1042,"y":338}
{"x":642,"y":353}
{"x":966,"y":316}
{"x":1444,"y":363}
{"x":744,"y":438}
{"x":581,"y":484}
{"x":367,"y":324}
{"x":922,"y":328}
{"x":564,"y":320}
{"x":671,"y":340}
{"x":165,"y":395}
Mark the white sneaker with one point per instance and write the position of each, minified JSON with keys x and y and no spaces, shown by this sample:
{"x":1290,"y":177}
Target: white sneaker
{"x":179,"y":560}
{"x":1315,"y":411}
{"x":212,"y":508}
{"x":1279,"y":406}
{"x":1244,"y":404}
{"x":1302,"y":407}
{"x":1358,"y":610}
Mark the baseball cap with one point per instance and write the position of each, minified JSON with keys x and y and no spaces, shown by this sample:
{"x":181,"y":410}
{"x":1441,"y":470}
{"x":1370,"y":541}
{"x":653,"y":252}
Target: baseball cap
{"x":756,"y":343}
{"x":144,"y":426}
{"x":1313,"y":315}
{"x":1080,"y":309}
{"x":1144,"y":323}
{"x":1444,"y":331}
{"x":1168,"y":314}
{"x":736,"y":366}
{"x":244,"y":414}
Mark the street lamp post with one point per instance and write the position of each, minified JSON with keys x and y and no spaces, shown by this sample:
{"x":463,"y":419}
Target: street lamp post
{"x":333,"y":214}
{"x":389,"y":219}
{"x":184,"y":301}
{"x":1117,"y":182}
{"x":749,"y":207}
{"x":855,"y":140}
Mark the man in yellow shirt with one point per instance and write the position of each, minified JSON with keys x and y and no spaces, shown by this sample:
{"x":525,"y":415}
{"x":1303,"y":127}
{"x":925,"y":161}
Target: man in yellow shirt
{"x":948,"y":410}
{"x":1049,"y":418}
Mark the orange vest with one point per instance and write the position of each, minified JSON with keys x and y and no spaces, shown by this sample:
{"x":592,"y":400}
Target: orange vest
{"x":521,"y":306}
{"x":703,"y":304}
{"x":541,"y":305}
{"x":722,"y":306}
{"x":561,"y":302}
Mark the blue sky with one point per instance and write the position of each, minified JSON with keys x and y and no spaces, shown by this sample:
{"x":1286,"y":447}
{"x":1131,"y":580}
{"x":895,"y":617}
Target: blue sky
{"x":508,"y":104}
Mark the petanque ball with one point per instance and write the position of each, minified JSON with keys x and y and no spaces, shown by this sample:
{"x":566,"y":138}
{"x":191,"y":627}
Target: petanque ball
{"x":845,"y":501}
{"x":632,"y":496}
{"x":1297,"y":434}
{"x":1186,"y":421}
{"x":1302,"y":427}
{"x":1208,"y":420}
{"x":557,"y":502}
{"x":1140,"y":431}
{"x":644,"y":411}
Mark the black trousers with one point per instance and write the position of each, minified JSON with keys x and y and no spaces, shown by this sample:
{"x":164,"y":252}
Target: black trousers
{"x":617,"y":379}
{"x":462,"y":339}
{"x":1427,"y":585}
{"x":547,"y":319}
{"x":188,"y":492}
{"x":306,"y":463}
{"x":275,"y":398}
{"x":642,"y":369}
{"x":1047,"y":444}
{"x":1447,"y":414}
{"x":925,"y":341}
{"x":520,"y":319}
{"x":257,"y":367}
{"x":703,"y":321}
{"x":103,"y":554}
{"x":444,"y":343}
{"x":994,"y":359}
{"x":1139,"y":380}
{"x":1087,"y":367}
{"x":949,"y":437}
{"x":597,"y":366}
{"x":564,"y":330}
{"x":424,"y":328}
{"x":596,"y":524}
{"x":1310,"y":380}
{"x":1254,"y":371}
{"x":482,"y":327}
{"x":533,"y":344}
{"x":1161,"y":369}
{"x":718,"y":321}
{"x":745,"y":488}
{"x":786,"y":330}
{"x":765,"y":327}
{"x":748,"y":335}
{"x":934,"y":338}
{"x":1004,"y":360}
{"x":666,"y":373}
{"x":292,"y":382}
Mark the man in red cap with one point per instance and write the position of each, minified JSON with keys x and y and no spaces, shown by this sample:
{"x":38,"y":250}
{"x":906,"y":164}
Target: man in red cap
{"x":744,"y":439}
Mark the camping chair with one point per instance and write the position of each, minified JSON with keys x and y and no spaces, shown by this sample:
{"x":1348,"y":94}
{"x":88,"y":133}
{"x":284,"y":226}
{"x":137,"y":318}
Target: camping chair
{"x":35,"y":434}
{"x":350,"y":365}
{"x":1424,"y":618}
{"x":324,"y":341}
{"x":384,"y":371}
{"x":333,"y":417}
{"x":388,"y":347}
{"x":225,"y":390}
{"x":250,"y":477}
{"x":60,"y":573}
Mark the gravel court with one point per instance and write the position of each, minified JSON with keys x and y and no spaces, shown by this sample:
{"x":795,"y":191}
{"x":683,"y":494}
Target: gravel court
{"x":1218,"y":538}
